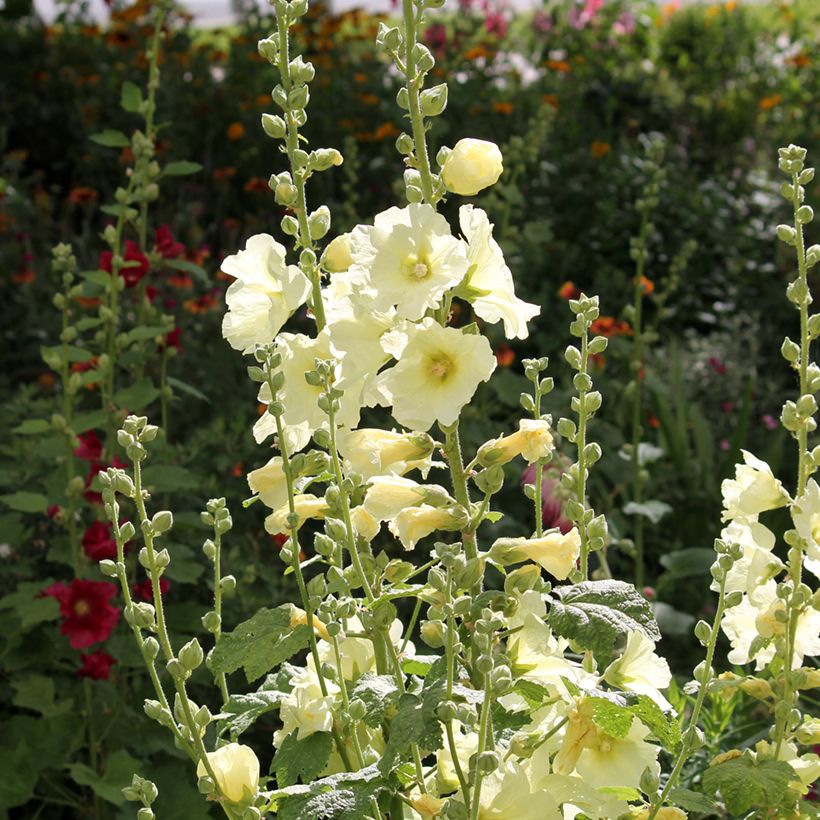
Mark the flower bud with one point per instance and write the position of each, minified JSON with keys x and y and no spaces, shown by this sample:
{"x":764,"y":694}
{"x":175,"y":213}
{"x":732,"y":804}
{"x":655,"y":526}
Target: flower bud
{"x":319,"y":222}
{"x":471,"y":166}
{"x":434,"y":100}
{"x":191,"y":655}
{"x":236,"y":769}
{"x":336,"y":257}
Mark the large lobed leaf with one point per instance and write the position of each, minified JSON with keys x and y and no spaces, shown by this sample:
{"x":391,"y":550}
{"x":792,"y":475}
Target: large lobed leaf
{"x":746,"y":783}
{"x":302,"y":759}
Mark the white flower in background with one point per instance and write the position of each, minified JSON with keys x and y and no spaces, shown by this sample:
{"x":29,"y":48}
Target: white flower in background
{"x":236,"y":769}
{"x":306,"y":710}
{"x":357,"y":654}
{"x":336,"y":257}
{"x":507,"y":793}
{"x":264,"y":295}
{"x":556,"y":552}
{"x":371,"y":452}
{"x":415,"y":523}
{"x":270,"y":484}
{"x":576,"y":796}
{"x":471,"y":166}
{"x":388,"y":495}
{"x":753,"y":490}
{"x":466,"y":746}
{"x":489,"y":285}
{"x":806,"y":766}
{"x":306,"y":506}
{"x":640,"y":670}
{"x":806,"y":517}
{"x":756,"y":615}
{"x":533,"y":441}
{"x":407,"y":259}
{"x":438,"y":373}
{"x":757,"y":564}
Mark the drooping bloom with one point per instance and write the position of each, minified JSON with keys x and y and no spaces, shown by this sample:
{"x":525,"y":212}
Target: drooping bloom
{"x":489,"y":282}
{"x":415,"y":523}
{"x":264,"y":295}
{"x":806,"y":517}
{"x":556,"y":552}
{"x":640,"y":670}
{"x":270,"y":484}
{"x":471,"y":166}
{"x":306,"y":506}
{"x":533,"y":441}
{"x":87,"y":617}
{"x":236,"y":769}
{"x":98,"y":542}
{"x":96,"y":665}
{"x":388,"y":495}
{"x":753,"y":490}
{"x":373,"y":451}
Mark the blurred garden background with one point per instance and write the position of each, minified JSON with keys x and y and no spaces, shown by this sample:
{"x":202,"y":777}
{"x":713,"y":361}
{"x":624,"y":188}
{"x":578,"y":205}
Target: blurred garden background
{"x":574,"y":92}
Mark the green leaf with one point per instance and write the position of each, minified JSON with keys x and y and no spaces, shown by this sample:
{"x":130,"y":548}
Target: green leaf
{"x":25,"y":501}
{"x":65,"y":353}
{"x":260,"y":643}
{"x":664,"y":725}
{"x":116,"y":210}
{"x":187,"y":388}
{"x":111,"y":139}
{"x":610,"y":716}
{"x":88,"y":421}
{"x":242,"y":711}
{"x":28,"y":606}
{"x":692,"y":801}
{"x":419,"y":664}
{"x":164,"y":478}
{"x":687,"y":562}
{"x":136,"y":396}
{"x":672,"y":621}
{"x":745,"y":783}
{"x":653,"y":510}
{"x":140,"y":334}
{"x":119,"y":770}
{"x":181,"y":168}
{"x":31,"y":427}
{"x":595,"y":614}
{"x":301,"y":759}
{"x":131,"y":97}
{"x":188,"y":267}
{"x":378,"y":693}
{"x":36,"y":692}
{"x":186,"y":566}
{"x":532,"y":692}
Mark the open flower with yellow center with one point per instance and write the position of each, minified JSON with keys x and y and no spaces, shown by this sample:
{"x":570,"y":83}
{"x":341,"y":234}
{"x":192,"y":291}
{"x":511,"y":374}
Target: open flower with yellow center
{"x":555,"y":551}
{"x":640,"y":670}
{"x":407,"y":259}
{"x":264,"y":295}
{"x":471,"y":166}
{"x":533,"y":441}
{"x":415,"y":523}
{"x":757,"y":615}
{"x":388,"y":495}
{"x":757,"y":564}
{"x":270,"y":484}
{"x":489,"y":285}
{"x":806,"y":517}
{"x":753,"y":490}
{"x":236,"y":769}
{"x":439,"y":371}
{"x":371,"y":451}
{"x":306,"y":506}
{"x":306,"y":710}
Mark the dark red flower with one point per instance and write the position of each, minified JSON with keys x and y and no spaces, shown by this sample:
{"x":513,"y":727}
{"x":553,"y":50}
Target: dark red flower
{"x":172,"y":339}
{"x":91,"y":496}
{"x":165,"y":244}
{"x":90,"y":448}
{"x":96,"y":665}
{"x":143,"y":591}
{"x":87,"y":616}
{"x":132,"y":273}
{"x":53,"y":510}
{"x":98,"y":542}
{"x":717,"y":365}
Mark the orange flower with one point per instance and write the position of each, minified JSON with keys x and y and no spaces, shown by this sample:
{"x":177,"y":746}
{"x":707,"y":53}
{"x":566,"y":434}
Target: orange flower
{"x":731,"y":5}
{"x":505,"y":355}
{"x":360,"y":78}
{"x":385,"y":131}
{"x":256,"y":184}
{"x":770,"y":102}
{"x":236,"y":131}
{"x":23,"y":277}
{"x":653,"y":421}
{"x":600,"y":149}
{"x":801,"y":60}
{"x":475,"y":53}
{"x":569,"y":290}
{"x":647,"y":285}
{"x":561,"y":66}
{"x":88,"y":302}
{"x":180,"y":281}
{"x":503,"y":107}
{"x":237,"y":470}
{"x":551,"y":100}
{"x":202,"y":304}
{"x":369,"y":99}
{"x":82,"y":196}
{"x":608,"y":326}
{"x":263,"y":100}
{"x":224,"y":174}
{"x":46,"y":380}
{"x":261,"y":409}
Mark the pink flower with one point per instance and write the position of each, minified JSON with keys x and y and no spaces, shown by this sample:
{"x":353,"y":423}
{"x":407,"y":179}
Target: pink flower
{"x":770,"y":422}
{"x":717,"y":365}
{"x":87,"y":616}
{"x":96,"y":665}
{"x":165,"y":244}
{"x":90,"y":448}
{"x":98,"y":542}
{"x":143,"y":591}
{"x":552,"y":504}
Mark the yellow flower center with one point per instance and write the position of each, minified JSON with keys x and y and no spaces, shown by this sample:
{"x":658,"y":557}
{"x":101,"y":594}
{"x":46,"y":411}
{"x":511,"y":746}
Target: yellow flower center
{"x":441,"y":366}
{"x":82,"y":608}
{"x":415,"y":268}
{"x":767,"y":624}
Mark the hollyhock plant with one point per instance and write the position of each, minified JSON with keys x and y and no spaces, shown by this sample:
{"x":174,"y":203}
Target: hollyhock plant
{"x":136,"y":267}
{"x":98,"y":542}
{"x":87,"y":616}
{"x":96,"y":665}
{"x":143,"y":591}
{"x":90,"y":447}
{"x":165,"y":245}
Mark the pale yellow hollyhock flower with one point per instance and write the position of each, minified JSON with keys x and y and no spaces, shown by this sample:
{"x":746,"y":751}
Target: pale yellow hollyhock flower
{"x":806,"y":517}
{"x":471,"y":166}
{"x":415,"y":523}
{"x":437,"y":374}
{"x":555,"y":551}
{"x":806,"y":766}
{"x":306,"y":506}
{"x":533,"y":441}
{"x":336,"y":257}
{"x":753,"y":490}
{"x":306,"y":710}
{"x":488,"y":285}
{"x":757,"y":564}
{"x":507,"y":793}
{"x":640,"y":670}
{"x":371,"y":451}
{"x":236,"y":769}
{"x":365,"y":525}
{"x":407,"y":259}
{"x":264,"y":295}
{"x":269,"y":483}
{"x":388,"y":495}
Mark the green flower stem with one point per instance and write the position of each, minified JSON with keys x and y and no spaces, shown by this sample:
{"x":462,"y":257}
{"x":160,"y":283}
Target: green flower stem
{"x":412,"y":622}
{"x":689,"y":735}
{"x":163,"y":393}
{"x":414,"y":81}
{"x":452,"y":450}
{"x":221,"y":678}
{"x":581,"y":443}
{"x":483,"y":731}
{"x":292,"y":145}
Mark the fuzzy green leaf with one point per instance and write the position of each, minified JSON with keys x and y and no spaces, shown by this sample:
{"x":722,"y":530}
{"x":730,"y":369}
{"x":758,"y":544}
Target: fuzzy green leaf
{"x":25,"y":501}
{"x":378,"y":693}
{"x":663,"y":725}
{"x":181,"y":168}
{"x":187,"y":388}
{"x":136,"y":396}
{"x":119,"y":770}
{"x":610,"y":716}
{"x":110,"y":139}
{"x":745,"y":783}
{"x":653,"y":510}
{"x":131,"y":97}
{"x":692,"y":801}
{"x":31,"y":427}
{"x":301,"y":759}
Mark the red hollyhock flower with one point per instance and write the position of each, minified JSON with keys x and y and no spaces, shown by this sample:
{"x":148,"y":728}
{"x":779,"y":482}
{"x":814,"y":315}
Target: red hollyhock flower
{"x":87,"y":616}
{"x":96,"y":665}
{"x":552,"y":502}
{"x":133,"y":273}
{"x":54,"y":510}
{"x":98,"y":542}
{"x":90,"y":448}
{"x":90,"y":495}
{"x":172,"y":339}
{"x":144,"y":592}
{"x":165,"y":244}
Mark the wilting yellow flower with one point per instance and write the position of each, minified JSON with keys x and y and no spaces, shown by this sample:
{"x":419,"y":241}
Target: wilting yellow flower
{"x":336,"y":257}
{"x":298,"y":617}
{"x":533,"y":441}
{"x":556,"y":552}
{"x":270,"y":484}
{"x":415,"y":523}
{"x":388,"y":495}
{"x":471,"y":166}
{"x":306,"y":505}
{"x":372,"y":451}
{"x":236,"y":769}
{"x":753,"y":490}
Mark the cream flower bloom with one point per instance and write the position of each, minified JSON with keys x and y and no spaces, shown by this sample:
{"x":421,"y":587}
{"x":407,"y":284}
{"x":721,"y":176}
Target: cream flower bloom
{"x":236,"y":769}
{"x":438,"y":373}
{"x":556,"y":552}
{"x":533,"y":441}
{"x":388,"y":495}
{"x":806,"y":517}
{"x":753,"y":490}
{"x":757,"y":564}
{"x":415,"y":523}
{"x":270,"y":484}
{"x":407,"y":259}
{"x":306,"y":710}
{"x":306,"y":506}
{"x":264,"y":295}
{"x":371,"y":452}
{"x":466,"y":746}
{"x":489,"y":282}
{"x":336,"y":257}
{"x":507,"y":793}
{"x":357,"y":654}
{"x":471,"y":166}
{"x":365,"y":525}
{"x":640,"y":670}
{"x":756,"y":615}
